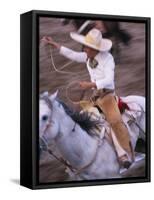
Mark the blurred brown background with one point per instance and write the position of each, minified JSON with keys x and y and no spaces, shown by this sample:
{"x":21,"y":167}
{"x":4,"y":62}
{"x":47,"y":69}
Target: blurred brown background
{"x":129,"y":74}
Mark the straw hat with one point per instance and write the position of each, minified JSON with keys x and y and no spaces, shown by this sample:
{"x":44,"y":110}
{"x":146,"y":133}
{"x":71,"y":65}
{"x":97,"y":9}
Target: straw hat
{"x":93,"y":40}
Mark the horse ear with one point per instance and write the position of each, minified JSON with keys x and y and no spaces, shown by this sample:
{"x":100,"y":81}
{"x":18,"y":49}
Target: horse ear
{"x":53,"y":96}
{"x":44,"y":94}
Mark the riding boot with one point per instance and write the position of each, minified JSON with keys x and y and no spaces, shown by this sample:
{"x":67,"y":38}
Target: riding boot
{"x":111,"y":111}
{"x":123,"y":138}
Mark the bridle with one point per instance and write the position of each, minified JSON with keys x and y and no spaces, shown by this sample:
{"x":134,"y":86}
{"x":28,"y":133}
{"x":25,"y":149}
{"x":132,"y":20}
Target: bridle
{"x":46,"y":99}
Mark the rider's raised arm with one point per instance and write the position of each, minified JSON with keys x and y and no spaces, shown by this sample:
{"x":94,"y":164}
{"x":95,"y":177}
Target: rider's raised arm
{"x":80,"y":57}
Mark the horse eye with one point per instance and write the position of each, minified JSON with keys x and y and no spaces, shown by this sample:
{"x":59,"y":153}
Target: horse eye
{"x":45,"y":117}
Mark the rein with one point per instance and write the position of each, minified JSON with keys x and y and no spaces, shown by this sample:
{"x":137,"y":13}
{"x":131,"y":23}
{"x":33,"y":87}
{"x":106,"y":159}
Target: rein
{"x":44,"y":147}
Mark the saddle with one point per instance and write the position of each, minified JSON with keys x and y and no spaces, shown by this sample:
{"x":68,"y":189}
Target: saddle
{"x":85,"y":104}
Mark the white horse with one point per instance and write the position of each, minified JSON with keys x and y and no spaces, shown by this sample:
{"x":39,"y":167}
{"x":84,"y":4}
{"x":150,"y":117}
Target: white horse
{"x":89,"y":156}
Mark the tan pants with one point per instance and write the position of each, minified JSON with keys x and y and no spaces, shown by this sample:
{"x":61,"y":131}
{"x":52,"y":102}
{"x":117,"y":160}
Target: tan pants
{"x":111,"y":111}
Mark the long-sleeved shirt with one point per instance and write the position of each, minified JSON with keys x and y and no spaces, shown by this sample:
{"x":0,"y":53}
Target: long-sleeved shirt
{"x":103,"y":74}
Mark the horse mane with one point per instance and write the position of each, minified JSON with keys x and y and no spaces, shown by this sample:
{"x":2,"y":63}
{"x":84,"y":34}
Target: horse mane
{"x":84,"y":120}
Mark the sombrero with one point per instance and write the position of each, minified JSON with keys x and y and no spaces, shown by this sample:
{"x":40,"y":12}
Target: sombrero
{"x":93,"y":40}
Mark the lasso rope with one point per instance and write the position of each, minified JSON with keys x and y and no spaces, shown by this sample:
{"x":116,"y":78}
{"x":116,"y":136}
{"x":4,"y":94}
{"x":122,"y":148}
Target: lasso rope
{"x":67,"y":96}
{"x":64,"y":72}
{"x":84,"y":25}
{"x":54,"y":66}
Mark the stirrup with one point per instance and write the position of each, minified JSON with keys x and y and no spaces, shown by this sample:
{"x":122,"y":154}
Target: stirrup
{"x":124,"y":161}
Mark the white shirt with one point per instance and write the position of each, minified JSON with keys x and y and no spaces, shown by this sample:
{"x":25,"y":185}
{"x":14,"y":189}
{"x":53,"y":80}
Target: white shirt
{"x":103,"y":74}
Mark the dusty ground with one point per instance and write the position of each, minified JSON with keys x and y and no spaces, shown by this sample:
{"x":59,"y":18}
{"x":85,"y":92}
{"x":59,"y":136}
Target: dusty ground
{"x":129,"y":78}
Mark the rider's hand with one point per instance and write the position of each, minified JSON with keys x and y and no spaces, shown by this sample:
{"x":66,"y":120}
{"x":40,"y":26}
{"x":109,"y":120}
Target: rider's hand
{"x":49,"y":40}
{"x":87,"y":85}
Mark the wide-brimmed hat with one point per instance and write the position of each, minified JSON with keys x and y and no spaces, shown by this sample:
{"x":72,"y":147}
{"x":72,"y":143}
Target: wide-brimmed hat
{"x":93,"y":40}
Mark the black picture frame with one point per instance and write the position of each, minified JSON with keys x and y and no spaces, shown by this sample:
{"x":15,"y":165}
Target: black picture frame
{"x":29,"y":139}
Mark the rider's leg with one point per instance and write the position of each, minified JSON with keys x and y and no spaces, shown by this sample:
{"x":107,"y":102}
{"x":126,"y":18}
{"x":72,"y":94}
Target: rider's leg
{"x":111,"y":111}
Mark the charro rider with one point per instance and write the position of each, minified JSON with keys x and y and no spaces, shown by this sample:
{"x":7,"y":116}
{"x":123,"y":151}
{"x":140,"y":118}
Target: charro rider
{"x":100,"y":65}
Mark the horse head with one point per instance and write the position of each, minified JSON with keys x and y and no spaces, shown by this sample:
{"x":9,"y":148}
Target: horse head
{"x":47,"y":121}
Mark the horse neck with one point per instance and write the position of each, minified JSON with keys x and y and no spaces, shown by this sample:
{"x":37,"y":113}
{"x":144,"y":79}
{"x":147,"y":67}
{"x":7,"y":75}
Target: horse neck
{"x":75,"y":145}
